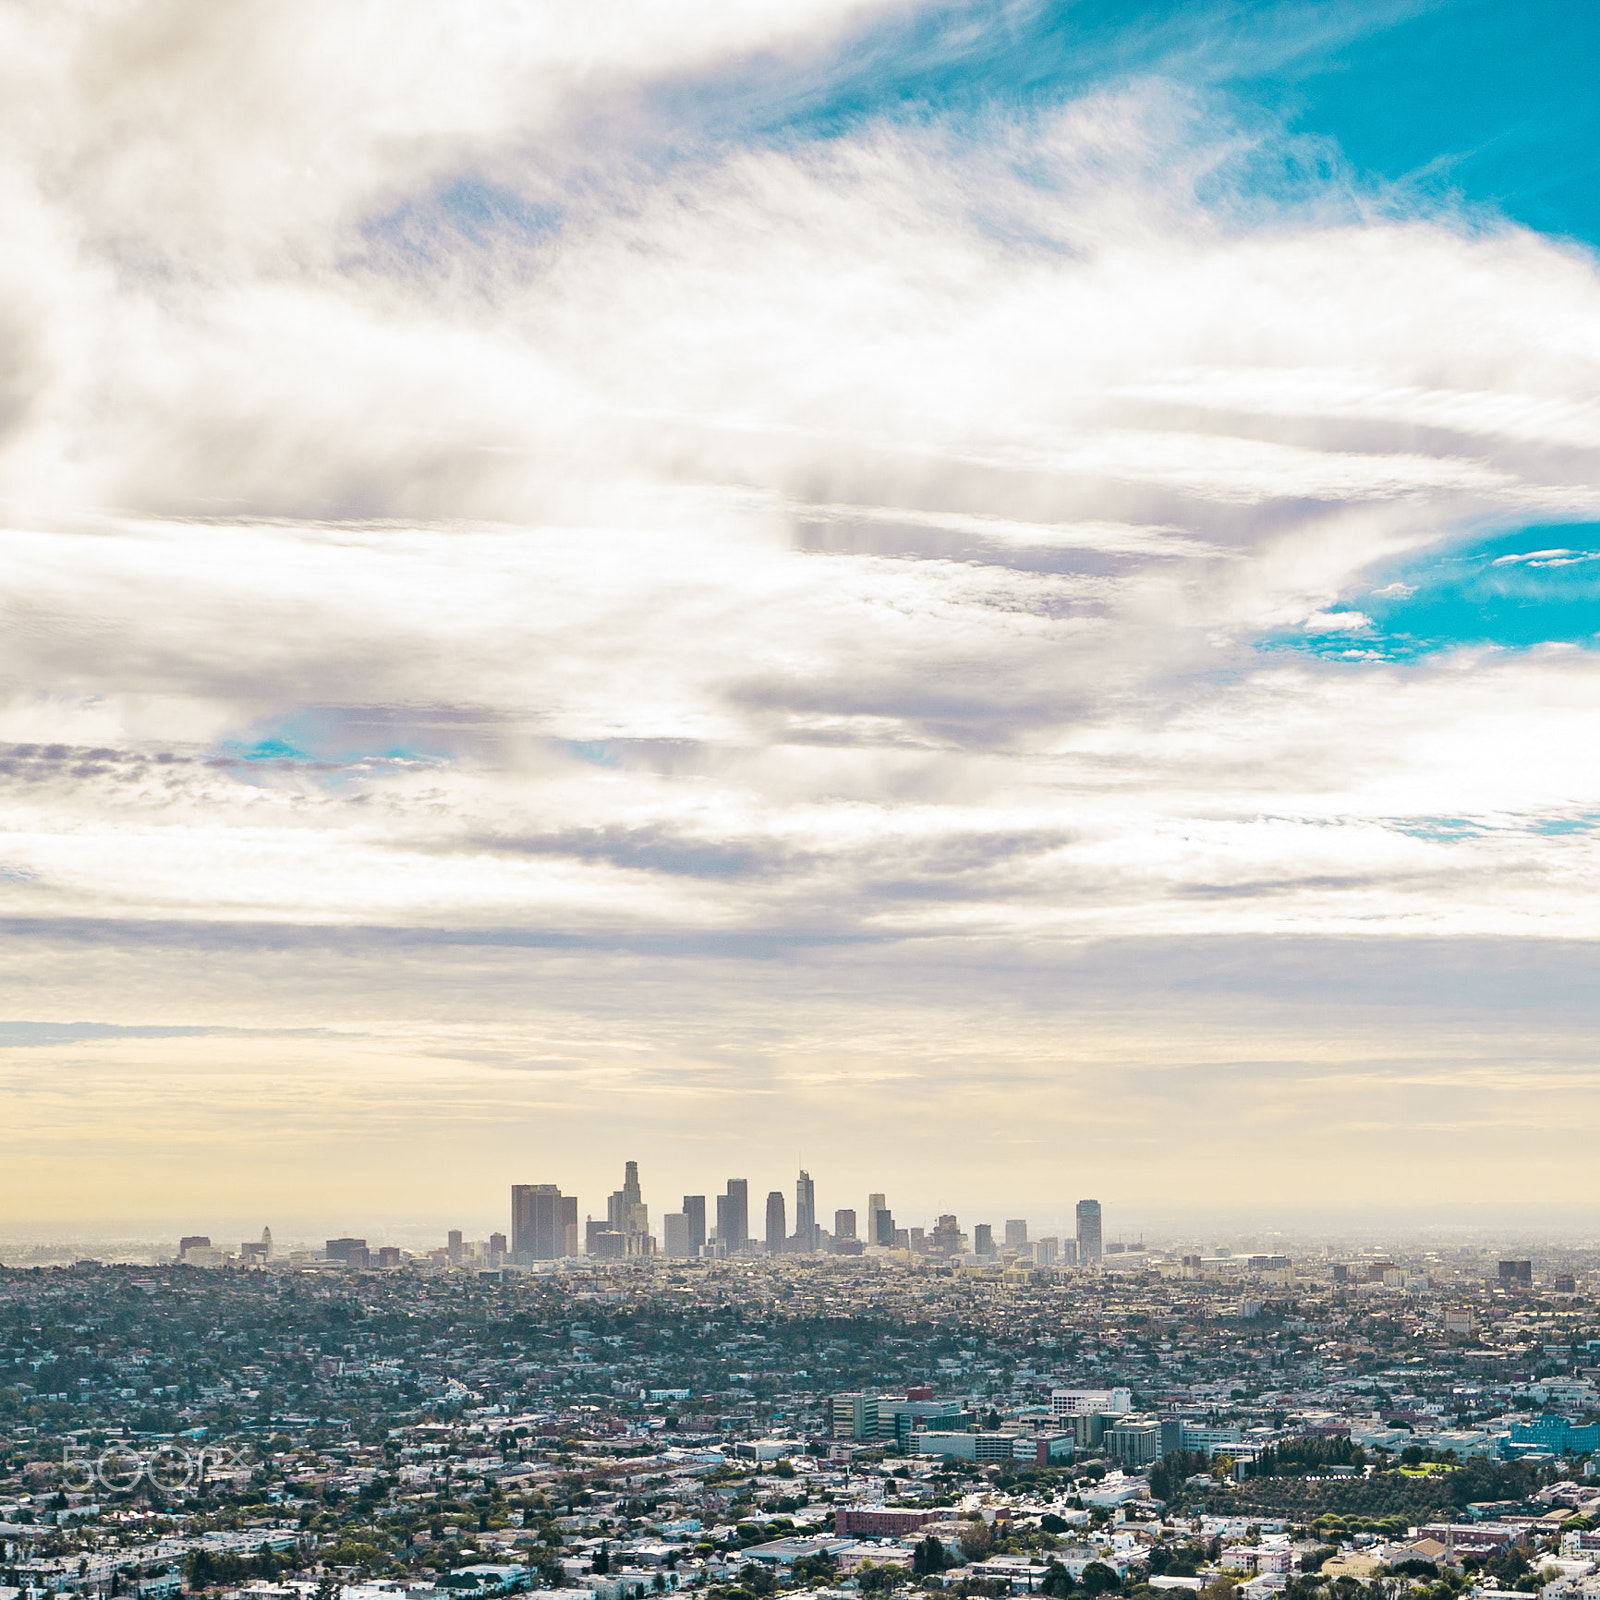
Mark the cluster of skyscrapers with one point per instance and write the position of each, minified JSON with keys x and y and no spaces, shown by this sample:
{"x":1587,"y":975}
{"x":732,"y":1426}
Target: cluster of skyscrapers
{"x":544,"y":1227}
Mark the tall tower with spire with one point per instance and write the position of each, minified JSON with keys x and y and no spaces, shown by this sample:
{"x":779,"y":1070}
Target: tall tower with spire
{"x":805,"y":1211}
{"x":627,"y":1214}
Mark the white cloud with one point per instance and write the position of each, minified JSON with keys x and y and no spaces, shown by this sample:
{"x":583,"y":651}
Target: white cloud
{"x":837,"y":542}
{"x":1337,"y":622}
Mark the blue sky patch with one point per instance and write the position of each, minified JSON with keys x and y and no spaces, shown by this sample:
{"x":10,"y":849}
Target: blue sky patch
{"x":1483,"y":100}
{"x":322,"y":740}
{"x":271,"y":749}
{"x":1517,"y":591}
{"x":1456,"y":102}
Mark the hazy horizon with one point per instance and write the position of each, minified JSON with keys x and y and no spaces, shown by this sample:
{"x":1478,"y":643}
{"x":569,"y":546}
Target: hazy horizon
{"x":1456,"y":1232}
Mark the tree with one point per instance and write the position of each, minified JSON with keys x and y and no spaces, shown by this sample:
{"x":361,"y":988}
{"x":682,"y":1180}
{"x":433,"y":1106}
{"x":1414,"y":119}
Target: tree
{"x":601,"y":1562}
{"x":1168,"y":1475}
{"x":1058,"y":1581}
{"x":976,"y":1538}
{"x":819,"y":1566}
{"x":929,"y":1557}
{"x":880,"y":1580}
{"x":756,"y":1579}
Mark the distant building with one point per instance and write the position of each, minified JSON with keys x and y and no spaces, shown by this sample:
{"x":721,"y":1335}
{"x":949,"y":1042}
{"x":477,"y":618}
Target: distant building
{"x":919,"y":1412}
{"x":544,"y":1222}
{"x":389,"y":1255}
{"x":1066,"y":1402}
{"x":777,"y":1223}
{"x":854,"y":1416}
{"x":1089,"y":1428}
{"x":193,"y":1241}
{"x":694,"y":1210}
{"x":1046,"y":1448}
{"x":845,"y":1242}
{"x":1556,"y":1434}
{"x":453,"y":1246}
{"x":982,"y":1239}
{"x":966,"y":1446}
{"x":1516,"y":1274}
{"x":627,"y":1214}
{"x":733,"y":1216}
{"x":805,"y":1212}
{"x":339,"y":1249}
{"x":1206,"y":1439}
{"x":873,"y":1523}
{"x":605,"y":1243}
{"x":1496,"y":1535}
{"x":1134,"y":1441}
{"x":1089,"y":1247}
{"x":1017,"y":1234}
{"x":1046,"y":1251}
{"x":947,"y":1239}
{"x":675,"y":1234}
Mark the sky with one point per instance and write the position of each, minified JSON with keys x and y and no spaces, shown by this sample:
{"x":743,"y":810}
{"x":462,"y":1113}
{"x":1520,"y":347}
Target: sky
{"x":1000,"y":600}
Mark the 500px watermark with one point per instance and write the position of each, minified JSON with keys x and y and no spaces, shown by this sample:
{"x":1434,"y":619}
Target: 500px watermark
{"x":168,"y":1467}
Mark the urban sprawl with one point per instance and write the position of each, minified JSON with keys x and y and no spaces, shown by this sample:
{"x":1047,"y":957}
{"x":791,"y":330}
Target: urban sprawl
{"x":603,"y":1413}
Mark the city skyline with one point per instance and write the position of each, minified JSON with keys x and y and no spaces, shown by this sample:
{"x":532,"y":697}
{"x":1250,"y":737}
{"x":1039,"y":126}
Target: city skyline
{"x":544,"y":1227}
{"x":547,"y":1226}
